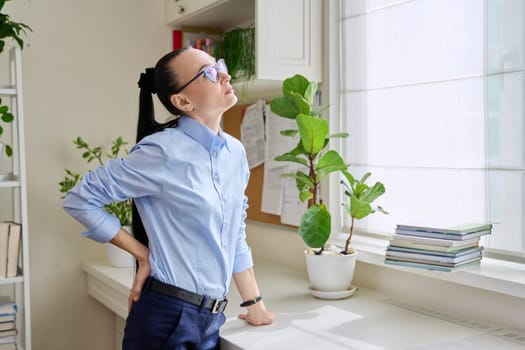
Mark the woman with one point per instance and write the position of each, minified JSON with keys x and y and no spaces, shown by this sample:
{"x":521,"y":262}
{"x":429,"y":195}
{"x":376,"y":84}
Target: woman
{"x":187,"y":178}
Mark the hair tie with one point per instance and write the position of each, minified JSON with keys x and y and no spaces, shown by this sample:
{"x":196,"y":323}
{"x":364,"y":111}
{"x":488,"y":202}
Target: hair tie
{"x":146,"y":80}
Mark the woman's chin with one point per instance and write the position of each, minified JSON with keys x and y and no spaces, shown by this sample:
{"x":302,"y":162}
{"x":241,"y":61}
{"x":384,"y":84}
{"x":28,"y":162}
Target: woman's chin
{"x":232,"y":99}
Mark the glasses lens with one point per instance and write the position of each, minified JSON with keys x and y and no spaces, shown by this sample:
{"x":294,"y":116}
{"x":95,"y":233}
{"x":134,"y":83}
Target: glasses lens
{"x":221,"y":66}
{"x":211,"y":73}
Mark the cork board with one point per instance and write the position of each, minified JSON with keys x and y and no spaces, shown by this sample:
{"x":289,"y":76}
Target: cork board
{"x":231,"y":124}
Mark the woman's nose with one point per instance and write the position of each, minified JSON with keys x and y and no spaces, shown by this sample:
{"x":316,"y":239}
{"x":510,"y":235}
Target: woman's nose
{"x":224,"y":77}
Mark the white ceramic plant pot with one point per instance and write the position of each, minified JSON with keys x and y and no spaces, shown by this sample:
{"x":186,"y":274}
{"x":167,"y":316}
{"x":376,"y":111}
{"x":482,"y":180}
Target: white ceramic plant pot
{"x":119,"y":257}
{"x":330,"y":273}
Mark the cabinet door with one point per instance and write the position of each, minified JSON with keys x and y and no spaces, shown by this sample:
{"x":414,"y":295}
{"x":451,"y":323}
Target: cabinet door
{"x":289,"y":39}
{"x":176,"y":10}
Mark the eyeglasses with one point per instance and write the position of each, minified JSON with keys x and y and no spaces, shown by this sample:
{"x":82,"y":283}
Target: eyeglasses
{"x":210,"y":72}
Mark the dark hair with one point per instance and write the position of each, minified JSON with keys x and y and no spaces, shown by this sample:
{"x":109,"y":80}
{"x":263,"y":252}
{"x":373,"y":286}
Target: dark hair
{"x":161,"y":80}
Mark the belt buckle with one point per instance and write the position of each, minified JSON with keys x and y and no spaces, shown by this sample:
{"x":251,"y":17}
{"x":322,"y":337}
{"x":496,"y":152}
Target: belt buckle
{"x":219,"y":305}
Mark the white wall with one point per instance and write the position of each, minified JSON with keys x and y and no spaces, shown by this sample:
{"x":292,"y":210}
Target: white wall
{"x":79,"y":73}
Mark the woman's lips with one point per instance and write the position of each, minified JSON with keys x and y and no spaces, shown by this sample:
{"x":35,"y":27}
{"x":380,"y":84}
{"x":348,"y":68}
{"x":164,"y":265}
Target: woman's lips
{"x":228,"y":91}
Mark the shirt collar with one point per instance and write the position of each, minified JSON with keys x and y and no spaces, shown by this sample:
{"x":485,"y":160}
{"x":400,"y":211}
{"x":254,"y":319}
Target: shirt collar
{"x":202,"y":134}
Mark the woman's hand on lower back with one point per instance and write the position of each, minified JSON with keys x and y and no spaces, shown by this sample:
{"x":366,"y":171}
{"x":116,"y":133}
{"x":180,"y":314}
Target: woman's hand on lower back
{"x":141,"y":276}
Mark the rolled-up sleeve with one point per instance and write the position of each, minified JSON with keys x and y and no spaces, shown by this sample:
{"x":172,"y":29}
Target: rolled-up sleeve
{"x":140,"y":173}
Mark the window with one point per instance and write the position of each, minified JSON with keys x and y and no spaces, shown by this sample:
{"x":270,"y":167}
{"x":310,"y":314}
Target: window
{"x":432,"y":95}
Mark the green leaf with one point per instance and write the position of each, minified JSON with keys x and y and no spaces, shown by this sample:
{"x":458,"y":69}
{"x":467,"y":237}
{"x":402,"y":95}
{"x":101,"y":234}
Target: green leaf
{"x":8,"y":117}
{"x":289,"y":132}
{"x":315,"y":226}
{"x":305,"y":195}
{"x":317,"y":110}
{"x":331,"y":161}
{"x":296,"y":84}
{"x":380,"y":209}
{"x":86,"y":154}
{"x":348,"y":190}
{"x":349,"y":177}
{"x":359,"y":209}
{"x":299,"y":149}
{"x":80,"y":143}
{"x":290,"y":106}
{"x":359,"y":188}
{"x":313,"y":132}
{"x":370,"y":194}
{"x":1,"y":130}
{"x":365,"y":177}
{"x":303,"y":181}
{"x":342,"y":135}
{"x":3,"y":109}
{"x":8,"y":151}
{"x":309,"y":94}
{"x":288,"y":157}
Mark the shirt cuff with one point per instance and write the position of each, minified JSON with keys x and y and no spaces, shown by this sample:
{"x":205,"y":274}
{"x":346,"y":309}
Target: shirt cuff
{"x":104,"y":232}
{"x":243,"y":262}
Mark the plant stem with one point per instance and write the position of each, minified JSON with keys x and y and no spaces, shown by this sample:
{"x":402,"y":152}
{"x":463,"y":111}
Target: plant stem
{"x":347,"y":245}
{"x":313,"y":176}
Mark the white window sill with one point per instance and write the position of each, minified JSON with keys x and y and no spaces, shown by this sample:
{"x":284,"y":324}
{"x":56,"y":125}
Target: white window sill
{"x":493,"y":274}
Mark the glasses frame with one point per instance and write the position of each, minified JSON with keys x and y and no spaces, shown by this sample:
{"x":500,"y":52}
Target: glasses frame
{"x":220,"y":66}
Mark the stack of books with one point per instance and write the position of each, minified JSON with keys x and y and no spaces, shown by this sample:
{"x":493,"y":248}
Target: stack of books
{"x":10,"y":233}
{"x":437,"y":247}
{"x":8,"y":331}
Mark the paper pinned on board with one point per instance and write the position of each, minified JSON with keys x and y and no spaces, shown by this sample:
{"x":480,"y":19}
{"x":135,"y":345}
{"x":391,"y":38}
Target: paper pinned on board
{"x":292,"y":208}
{"x":252,"y":134}
{"x":280,"y":195}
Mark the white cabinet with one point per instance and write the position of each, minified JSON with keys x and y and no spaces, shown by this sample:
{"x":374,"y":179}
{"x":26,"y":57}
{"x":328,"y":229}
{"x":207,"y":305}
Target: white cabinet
{"x":178,"y":10}
{"x":289,"y":39}
{"x":288,"y":32}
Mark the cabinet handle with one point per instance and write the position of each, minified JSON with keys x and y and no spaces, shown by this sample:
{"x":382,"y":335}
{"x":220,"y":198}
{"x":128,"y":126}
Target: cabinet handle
{"x":181,"y":9}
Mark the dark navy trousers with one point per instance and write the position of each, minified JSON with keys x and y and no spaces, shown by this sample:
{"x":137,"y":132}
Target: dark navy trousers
{"x":161,"y":322}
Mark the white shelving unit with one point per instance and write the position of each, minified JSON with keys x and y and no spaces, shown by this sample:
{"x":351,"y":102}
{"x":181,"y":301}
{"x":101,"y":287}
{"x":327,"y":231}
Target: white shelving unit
{"x":16,"y":183}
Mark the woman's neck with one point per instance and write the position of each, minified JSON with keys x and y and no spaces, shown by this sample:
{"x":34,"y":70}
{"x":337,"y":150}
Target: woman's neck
{"x":212,"y":123}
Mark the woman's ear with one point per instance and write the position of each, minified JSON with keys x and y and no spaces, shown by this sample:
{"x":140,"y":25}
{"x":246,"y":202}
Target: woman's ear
{"x":182,"y":103}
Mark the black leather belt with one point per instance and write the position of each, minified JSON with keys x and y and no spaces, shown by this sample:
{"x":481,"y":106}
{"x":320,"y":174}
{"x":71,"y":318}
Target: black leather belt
{"x":214,"y":305}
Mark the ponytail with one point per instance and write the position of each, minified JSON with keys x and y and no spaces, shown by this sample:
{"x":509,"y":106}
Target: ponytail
{"x":161,"y":80}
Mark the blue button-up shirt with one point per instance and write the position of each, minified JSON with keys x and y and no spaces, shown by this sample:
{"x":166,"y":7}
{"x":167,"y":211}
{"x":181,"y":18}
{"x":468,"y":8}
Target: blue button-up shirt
{"x":188,"y":184}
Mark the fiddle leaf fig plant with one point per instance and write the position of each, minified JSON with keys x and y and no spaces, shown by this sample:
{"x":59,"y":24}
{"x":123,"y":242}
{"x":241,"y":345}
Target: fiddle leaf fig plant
{"x":315,"y":160}
{"x":360,"y":199}
{"x":13,"y":30}
{"x":122,"y":210}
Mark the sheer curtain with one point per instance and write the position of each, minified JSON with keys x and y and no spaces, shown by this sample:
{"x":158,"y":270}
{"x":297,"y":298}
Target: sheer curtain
{"x":432,"y":95}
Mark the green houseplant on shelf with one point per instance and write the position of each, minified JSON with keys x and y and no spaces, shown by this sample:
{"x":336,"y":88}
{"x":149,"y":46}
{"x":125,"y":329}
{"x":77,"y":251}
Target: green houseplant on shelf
{"x":237,"y":48}
{"x":326,"y":267}
{"x":122,"y":210}
{"x":9,"y":30}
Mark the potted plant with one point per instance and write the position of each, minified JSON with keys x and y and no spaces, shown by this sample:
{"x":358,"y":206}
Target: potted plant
{"x":315,"y":161}
{"x":13,"y":30}
{"x":122,"y":210}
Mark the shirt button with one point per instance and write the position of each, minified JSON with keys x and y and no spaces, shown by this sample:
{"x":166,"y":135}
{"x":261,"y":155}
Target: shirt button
{"x":214,"y":154}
